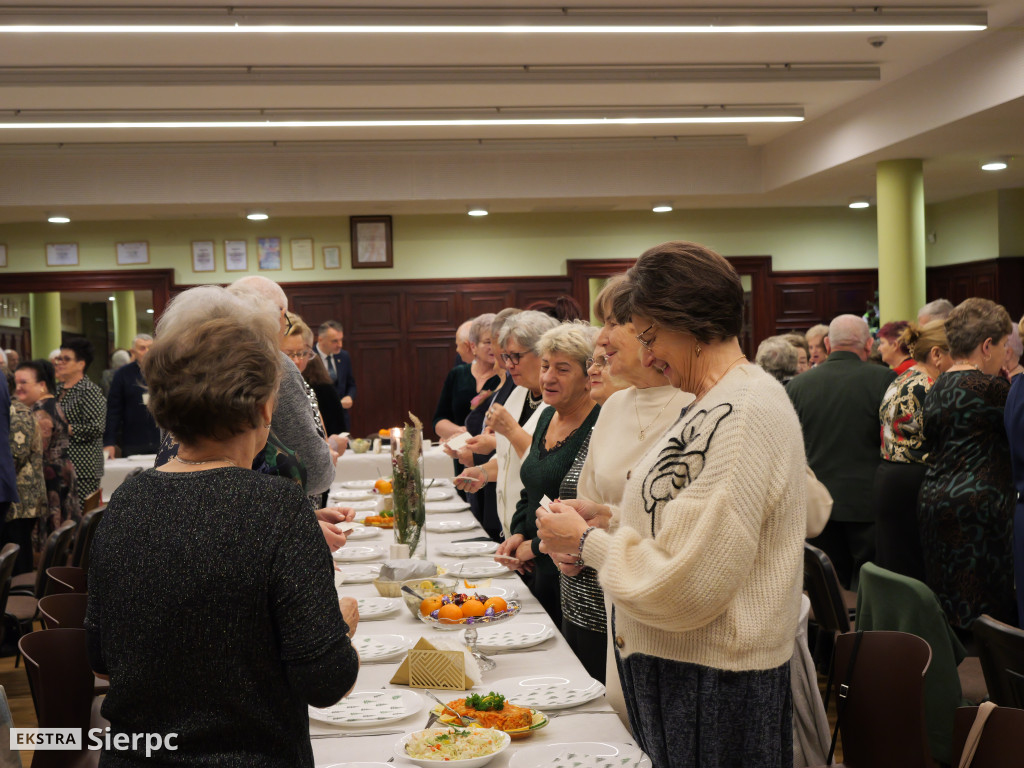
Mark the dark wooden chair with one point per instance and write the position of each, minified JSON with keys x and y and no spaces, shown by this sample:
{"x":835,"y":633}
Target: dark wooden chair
{"x":93,"y":501}
{"x":8,"y":556}
{"x":1001,"y":649}
{"x":84,"y":536}
{"x":65,"y":579}
{"x":1002,"y":740}
{"x":55,"y":552}
{"x":66,"y":611}
{"x":829,"y":610}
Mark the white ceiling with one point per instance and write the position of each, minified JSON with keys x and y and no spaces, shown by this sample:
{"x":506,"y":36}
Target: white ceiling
{"x":950,"y":98}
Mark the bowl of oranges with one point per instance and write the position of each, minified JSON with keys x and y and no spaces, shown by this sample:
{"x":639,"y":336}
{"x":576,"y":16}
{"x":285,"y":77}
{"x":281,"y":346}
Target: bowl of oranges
{"x":457,"y":610}
{"x":425,"y":588}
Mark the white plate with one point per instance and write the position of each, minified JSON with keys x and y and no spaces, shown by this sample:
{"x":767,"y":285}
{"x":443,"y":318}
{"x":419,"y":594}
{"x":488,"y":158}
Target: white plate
{"x":586,"y":753}
{"x":357,"y":553}
{"x":358,"y":574}
{"x":468,"y":548}
{"x":358,"y":485}
{"x":439,"y":494}
{"x":380,"y":647}
{"x":477,"y":568}
{"x":449,"y":526}
{"x":357,"y":531}
{"x":370,"y":708}
{"x":469,"y":762}
{"x":452,"y":505}
{"x":358,"y":765}
{"x":377,"y":607}
{"x":367,"y":507}
{"x":509,"y":637}
{"x":349,"y":495}
{"x":547,"y":693}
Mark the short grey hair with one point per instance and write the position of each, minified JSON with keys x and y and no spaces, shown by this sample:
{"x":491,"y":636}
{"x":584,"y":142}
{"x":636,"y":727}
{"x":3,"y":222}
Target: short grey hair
{"x":936,"y":310}
{"x":119,"y":358}
{"x":481,"y":325}
{"x":329,"y":325}
{"x":141,"y":337}
{"x":574,"y":339}
{"x":526,"y":328}
{"x":208,"y":302}
{"x":848,"y":331}
{"x":257,"y":285}
{"x":818,"y":330}
{"x":500,"y":319}
{"x":778,"y":357}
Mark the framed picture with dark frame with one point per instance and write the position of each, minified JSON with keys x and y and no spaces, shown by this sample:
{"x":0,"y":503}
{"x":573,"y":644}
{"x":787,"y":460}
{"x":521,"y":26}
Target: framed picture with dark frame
{"x":371,"y":242}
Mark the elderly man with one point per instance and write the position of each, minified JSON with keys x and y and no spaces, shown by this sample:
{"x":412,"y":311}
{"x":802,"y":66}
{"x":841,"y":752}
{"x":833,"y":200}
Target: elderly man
{"x":816,"y":342}
{"x":13,"y":358}
{"x":934,"y":310}
{"x":130,"y":425}
{"x":837,"y":403}
{"x":462,"y":347}
{"x":329,"y":339}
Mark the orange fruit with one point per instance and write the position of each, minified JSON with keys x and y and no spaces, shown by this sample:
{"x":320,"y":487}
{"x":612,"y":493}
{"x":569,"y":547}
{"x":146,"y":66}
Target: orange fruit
{"x":382,"y":486}
{"x":430,"y":604}
{"x":383,"y":433}
{"x":449,"y":613}
{"x":497,"y":603}
{"x":473,"y":607}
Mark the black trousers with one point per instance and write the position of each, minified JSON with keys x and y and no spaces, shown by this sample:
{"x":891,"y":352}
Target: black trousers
{"x":897,"y":536}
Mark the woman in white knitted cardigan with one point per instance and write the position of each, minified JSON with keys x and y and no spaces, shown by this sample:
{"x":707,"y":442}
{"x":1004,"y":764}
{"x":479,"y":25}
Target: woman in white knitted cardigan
{"x":704,"y":570}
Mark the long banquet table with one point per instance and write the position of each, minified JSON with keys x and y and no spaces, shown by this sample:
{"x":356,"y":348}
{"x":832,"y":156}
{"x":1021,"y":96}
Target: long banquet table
{"x":591,"y":722}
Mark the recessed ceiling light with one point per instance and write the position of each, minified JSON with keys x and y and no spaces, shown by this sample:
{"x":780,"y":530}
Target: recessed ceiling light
{"x":149,"y":311}
{"x":110,"y":298}
{"x":257,"y":216}
{"x":860,"y":202}
{"x":996,"y":164}
{"x":58,"y":218}
{"x":477,"y":210}
{"x":662,"y":207}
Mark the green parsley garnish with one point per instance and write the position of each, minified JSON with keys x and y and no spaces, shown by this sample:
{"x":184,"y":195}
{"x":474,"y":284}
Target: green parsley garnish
{"x":492,"y":701}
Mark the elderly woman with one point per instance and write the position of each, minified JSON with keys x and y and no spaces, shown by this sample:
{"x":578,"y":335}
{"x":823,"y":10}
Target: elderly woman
{"x":705,"y":568}
{"x":904,"y":451}
{"x":815,"y":338}
{"x":561,"y":431}
{"x":778,"y":357}
{"x":803,"y":351}
{"x":893,"y":352}
{"x":515,"y":422}
{"x":965,"y":508}
{"x":86,"y":411}
{"x":467,"y":386}
{"x":35,"y":388}
{"x":22,"y":516}
{"x":212,"y":603}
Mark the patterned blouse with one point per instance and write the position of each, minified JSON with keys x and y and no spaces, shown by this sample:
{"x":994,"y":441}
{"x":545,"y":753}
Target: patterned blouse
{"x":58,"y":471}
{"x":86,"y":411}
{"x":901,"y":418}
{"x":27,"y":450}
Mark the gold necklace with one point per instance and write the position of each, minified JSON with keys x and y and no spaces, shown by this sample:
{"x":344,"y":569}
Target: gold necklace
{"x":636,"y":407}
{"x":180,"y":460}
{"x":726,"y":371}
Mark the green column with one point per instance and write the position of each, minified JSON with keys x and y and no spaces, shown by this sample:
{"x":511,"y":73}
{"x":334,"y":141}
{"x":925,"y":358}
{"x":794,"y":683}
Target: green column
{"x":901,"y":237}
{"x":44,"y":315}
{"x":124,"y":319}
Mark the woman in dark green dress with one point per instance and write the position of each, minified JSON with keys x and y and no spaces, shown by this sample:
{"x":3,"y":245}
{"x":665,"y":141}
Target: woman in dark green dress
{"x":561,"y":432}
{"x":965,"y":509}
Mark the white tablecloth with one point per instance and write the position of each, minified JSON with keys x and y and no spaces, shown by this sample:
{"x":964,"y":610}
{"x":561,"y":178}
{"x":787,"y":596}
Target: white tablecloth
{"x":116,"y":470}
{"x":370,"y":466}
{"x":589,"y":722}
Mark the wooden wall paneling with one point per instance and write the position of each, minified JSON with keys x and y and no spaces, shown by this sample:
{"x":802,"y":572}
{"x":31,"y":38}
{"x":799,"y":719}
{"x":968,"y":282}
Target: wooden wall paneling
{"x":479,"y":299}
{"x":849,"y":295}
{"x":1010,"y":285}
{"x":315,"y":310}
{"x":580,"y":272}
{"x":549,"y":290}
{"x":374,"y":313}
{"x":379,"y":368}
{"x":432,"y":309}
{"x":797,"y":301}
{"x":428,"y":361}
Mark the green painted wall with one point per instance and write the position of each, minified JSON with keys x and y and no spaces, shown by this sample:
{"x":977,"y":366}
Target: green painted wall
{"x":1011,"y":222}
{"x":965,"y":230}
{"x":461,"y":246}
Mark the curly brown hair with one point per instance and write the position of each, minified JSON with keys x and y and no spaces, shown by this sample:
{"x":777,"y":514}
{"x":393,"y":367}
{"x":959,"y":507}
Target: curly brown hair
{"x":972,"y":321}
{"x":209,"y":378}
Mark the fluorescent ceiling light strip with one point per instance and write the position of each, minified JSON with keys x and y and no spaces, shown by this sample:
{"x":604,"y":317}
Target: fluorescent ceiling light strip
{"x":569,"y":121}
{"x":488,"y":29}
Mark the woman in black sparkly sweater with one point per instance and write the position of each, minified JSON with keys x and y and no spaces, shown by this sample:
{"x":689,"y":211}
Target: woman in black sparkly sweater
{"x":212,"y":604}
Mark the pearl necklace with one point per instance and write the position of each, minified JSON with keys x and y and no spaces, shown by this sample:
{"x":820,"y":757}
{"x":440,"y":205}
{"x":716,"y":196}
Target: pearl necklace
{"x":968,"y":363}
{"x":636,"y":406}
{"x":534,"y":402}
{"x":204,"y":461}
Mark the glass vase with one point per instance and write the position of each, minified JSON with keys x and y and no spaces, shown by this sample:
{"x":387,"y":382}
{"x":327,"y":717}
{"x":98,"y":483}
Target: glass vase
{"x":408,"y":494}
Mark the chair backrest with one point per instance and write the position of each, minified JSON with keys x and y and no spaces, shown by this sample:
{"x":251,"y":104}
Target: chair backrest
{"x":1002,"y":737}
{"x":8,"y":556}
{"x":823,"y":589}
{"x":83,"y":537}
{"x":65,"y":611}
{"x":66,"y":579}
{"x":54,"y":553}
{"x":92,"y":501}
{"x":883,"y":723}
{"x":1001,"y":650}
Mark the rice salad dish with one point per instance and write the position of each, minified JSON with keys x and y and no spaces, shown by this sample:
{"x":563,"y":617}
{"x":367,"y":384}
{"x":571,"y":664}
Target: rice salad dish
{"x":454,"y":743}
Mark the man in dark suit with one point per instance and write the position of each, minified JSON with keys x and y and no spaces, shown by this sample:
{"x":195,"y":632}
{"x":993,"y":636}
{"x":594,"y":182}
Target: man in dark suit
{"x":129,"y":422}
{"x":837,"y":402}
{"x":330,"y":337}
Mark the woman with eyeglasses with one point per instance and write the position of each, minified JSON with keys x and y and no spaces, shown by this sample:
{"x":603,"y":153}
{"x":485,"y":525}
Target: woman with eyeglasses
{"x":704,"y":568}
{"x":562,"y":430}
{"x":86,"y":411}
{"x":515,"y":421}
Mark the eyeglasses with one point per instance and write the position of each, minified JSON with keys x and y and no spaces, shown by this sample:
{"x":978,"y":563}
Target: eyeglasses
{"x":288,"y":320}
{"x":513,"y":358}
{"x":302,"y":354}
{"x":597,"y":362}
{"x":641,"y":337}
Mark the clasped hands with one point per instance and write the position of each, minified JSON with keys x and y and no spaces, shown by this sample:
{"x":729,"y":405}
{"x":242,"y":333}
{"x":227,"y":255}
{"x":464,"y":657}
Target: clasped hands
{"x":559,"y":531}
{"x":328,"y":518}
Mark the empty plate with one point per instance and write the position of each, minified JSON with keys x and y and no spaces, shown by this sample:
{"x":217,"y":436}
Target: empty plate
{"x":513,"y":636}
{"x":452,"y":505}
{"x":369,"y":506}
{"x":547,"y":693}
{"x":356,"y":531}
{"x":448,"y":526}
{"x":380,"y":647}
{"x":350,"y":495}
{"x":439,"y":494}
{"x":357,"y":553}
{"x":358,"y":485}
{"x":377,"y":607}
{"x":370,"y":708}
{"x":477,"y":568}
{"x":468,"y":548}
{"x":593,"y":754}
{"x":358,"y":574}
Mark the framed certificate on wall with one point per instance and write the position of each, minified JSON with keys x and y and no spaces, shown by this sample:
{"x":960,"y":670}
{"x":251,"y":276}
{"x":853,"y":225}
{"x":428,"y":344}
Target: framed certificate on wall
{"x":302,"y":253}
{"x":133,"y":253}
{"x":236,"y":256}
{"x":202,"y":256}
{"x":332,"y":257}
{"x":62,"y":254}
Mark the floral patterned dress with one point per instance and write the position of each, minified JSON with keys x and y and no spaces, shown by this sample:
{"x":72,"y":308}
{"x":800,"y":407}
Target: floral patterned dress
{"x":965,"y":510}
{"x":86,"y":411}
{"x":59,"y":473}
{"x":27,"y":451}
